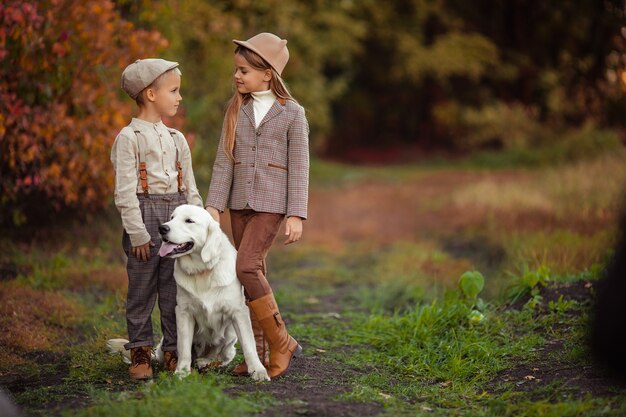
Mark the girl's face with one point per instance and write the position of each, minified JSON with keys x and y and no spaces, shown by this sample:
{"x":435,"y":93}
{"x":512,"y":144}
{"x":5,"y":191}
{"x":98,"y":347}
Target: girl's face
{"x":167,"y":94}
{"x":249,"y":79}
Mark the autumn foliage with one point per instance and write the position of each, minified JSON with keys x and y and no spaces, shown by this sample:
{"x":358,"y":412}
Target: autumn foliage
{"x":390,"y":80}
{"x":60,"y":103}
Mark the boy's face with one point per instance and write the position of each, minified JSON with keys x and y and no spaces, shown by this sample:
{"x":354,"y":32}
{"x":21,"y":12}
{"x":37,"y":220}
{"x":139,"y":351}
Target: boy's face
{"x":166,"y":94}
{"x":249,"y":79}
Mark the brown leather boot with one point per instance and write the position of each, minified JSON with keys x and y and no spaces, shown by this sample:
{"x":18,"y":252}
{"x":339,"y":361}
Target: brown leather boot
{"x":170,"y":360}
{"x":283,"y":348}
{"x":262,"y":348}
{"x":141,"y":366}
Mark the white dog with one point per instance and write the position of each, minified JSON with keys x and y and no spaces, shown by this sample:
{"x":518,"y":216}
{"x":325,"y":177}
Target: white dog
{"x":211,"y":312}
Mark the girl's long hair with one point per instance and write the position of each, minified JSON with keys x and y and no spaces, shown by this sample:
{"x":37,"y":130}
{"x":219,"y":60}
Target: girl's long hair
{"x":277,"y":86}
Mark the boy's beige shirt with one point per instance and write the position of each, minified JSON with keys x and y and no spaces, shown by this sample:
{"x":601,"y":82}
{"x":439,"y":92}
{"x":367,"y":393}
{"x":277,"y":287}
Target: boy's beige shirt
{"x":160,"y":151}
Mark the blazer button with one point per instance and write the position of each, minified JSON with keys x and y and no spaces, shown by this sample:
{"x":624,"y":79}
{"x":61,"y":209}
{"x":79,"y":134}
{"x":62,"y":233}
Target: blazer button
{"x":254,"y":148}
{"x":252,"y":165}
{"x":258,"y":133}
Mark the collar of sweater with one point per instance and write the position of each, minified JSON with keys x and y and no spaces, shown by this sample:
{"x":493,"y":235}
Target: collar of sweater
{"x":263,"y":96}
{"x":262,"y":101}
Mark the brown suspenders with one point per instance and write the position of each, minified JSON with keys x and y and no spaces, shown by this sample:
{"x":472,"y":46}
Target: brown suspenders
{"x":143,"y":172}
{"x":179,"y":168}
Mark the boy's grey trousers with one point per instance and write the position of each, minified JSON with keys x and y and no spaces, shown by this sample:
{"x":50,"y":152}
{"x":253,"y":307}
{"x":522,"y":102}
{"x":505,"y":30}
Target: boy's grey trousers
{"x":153,"y":280}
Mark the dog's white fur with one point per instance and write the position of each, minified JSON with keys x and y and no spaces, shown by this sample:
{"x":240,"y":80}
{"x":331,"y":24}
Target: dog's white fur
{"x":211,"y":312}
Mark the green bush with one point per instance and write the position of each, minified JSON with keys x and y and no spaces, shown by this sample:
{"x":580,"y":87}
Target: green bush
{"x":587,"y":142}
{"x":497,"y":126}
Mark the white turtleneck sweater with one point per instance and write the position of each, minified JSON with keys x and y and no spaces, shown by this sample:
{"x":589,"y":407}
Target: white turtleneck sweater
{"x":262,"y":101}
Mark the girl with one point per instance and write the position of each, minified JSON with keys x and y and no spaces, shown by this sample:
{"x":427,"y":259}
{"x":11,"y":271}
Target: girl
{"x":261,"y":172}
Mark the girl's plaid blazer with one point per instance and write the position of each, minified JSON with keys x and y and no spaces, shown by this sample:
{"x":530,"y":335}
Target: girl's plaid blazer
{"x":270,"y":172}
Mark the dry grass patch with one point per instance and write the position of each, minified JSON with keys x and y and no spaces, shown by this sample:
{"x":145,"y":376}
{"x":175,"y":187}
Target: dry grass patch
{"x":111,"y":278}
{"x":582,"y":196}
{"x":563,"y":251}
{"x":32,"y":320}
{"x":420,"y":263}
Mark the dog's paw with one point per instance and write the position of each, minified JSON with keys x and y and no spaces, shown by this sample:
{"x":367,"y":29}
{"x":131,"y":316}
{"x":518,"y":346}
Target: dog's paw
{"x":182,"y":372}
{"x":260,"y":375}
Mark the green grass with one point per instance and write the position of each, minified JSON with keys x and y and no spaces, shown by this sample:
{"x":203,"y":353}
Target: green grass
{"x":390,"y":313}
{"x":431,"y":360}
{"x":424,"y":356}
{"x":197,"y":395}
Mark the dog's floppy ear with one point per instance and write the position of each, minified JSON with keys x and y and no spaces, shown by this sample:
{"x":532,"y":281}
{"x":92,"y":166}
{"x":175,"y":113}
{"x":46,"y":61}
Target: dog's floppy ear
{"x":211,"y":250}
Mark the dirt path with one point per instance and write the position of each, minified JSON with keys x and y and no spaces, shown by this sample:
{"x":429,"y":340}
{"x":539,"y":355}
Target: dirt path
{"x":389,"y":212}
{"x":384,"y":212}
{"x":311,"y":388}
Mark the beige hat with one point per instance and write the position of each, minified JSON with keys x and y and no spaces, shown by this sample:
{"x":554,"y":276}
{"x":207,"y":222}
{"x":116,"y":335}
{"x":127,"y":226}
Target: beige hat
{"x":269,"y":47}
{"x":141,"y":73}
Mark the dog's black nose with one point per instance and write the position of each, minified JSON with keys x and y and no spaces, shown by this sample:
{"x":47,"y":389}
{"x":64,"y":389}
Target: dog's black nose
{"x":163,"y":229}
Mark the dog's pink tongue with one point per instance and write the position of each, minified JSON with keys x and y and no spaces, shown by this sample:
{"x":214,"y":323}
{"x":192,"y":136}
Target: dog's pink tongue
{"x":166,"y":248}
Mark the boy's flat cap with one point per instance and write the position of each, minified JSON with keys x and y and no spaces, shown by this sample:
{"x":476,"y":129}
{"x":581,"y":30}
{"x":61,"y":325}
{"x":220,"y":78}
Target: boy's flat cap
{"x":141,"y":73}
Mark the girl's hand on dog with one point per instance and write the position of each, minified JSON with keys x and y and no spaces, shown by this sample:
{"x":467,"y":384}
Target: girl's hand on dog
{"x":293,"y":229}
{"x":142,"y":252}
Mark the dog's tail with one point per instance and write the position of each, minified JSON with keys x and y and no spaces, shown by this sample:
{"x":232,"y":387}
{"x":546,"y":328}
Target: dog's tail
{"x":116,"y":347}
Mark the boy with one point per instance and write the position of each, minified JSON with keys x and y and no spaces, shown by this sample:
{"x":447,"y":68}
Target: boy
{"x":153,"y":175}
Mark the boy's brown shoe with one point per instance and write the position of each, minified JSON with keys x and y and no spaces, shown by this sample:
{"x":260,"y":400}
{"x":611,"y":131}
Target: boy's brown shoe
{"x":140,"y":367}
{"x":170,"y":361}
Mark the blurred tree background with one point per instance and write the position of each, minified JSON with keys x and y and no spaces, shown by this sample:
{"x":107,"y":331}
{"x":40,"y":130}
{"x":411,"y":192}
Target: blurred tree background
{"x":60,"y":106}
{"x":389,"y":81}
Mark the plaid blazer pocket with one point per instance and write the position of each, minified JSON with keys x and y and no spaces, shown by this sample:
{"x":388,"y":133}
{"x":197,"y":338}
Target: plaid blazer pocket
{"x":284,"y":168}
{"x":274,"y":186}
